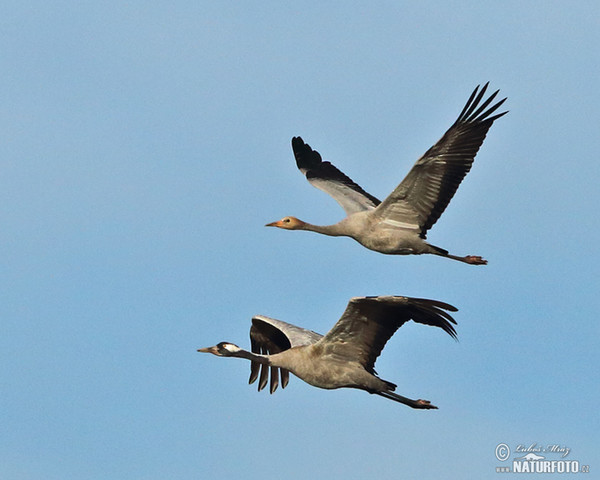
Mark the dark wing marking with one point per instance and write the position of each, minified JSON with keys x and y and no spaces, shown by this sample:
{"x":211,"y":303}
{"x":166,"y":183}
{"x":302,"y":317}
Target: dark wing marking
{"x":369,"y":322}
{"x":326,"y":177}
{"x":269,"y":336}
{"x":432,"y":182}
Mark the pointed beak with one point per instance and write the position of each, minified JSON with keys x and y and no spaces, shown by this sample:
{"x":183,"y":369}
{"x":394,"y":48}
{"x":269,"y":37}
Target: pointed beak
{"x":207,"y":350}
{"x":274,"y":224}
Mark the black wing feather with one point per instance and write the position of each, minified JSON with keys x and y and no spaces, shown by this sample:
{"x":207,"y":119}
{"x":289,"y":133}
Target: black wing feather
{"x":426,"y":191}
{"x":369,"y":322}
{"x":310,"y":163}
{"x":266,"y":339}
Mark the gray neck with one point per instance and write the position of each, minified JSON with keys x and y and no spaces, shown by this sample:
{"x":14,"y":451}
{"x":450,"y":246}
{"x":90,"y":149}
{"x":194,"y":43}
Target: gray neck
{"x":255,"y":357}
{"x":335,"y":230}
{"x":282,"y":359}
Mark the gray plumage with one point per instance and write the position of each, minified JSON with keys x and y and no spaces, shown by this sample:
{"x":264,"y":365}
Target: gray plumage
{"x":399,"y":224}
{"x":343,"y":358}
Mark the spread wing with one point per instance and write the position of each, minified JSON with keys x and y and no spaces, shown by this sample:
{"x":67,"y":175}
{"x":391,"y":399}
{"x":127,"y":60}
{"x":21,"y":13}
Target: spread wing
{"x":326,"y":177}
{"x":269,"y":336}
{"x":424,"y":194}
{"x":369,"y":322}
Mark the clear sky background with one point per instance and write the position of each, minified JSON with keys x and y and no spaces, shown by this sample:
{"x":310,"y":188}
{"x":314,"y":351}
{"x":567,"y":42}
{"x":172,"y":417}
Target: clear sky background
{"x":144,"y":145}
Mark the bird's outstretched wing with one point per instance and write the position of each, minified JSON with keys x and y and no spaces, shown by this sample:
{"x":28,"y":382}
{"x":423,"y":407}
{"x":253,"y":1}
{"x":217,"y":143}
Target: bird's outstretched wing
{"x":425,"y":192}
{"x":369,"y":322}
{"x":269,"y":336}
{"x":326,"y":177}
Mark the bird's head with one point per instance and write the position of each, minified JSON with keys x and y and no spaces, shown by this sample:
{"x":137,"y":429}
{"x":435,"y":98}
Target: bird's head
{"x":288,"y":223}
{"x":223,"y":349}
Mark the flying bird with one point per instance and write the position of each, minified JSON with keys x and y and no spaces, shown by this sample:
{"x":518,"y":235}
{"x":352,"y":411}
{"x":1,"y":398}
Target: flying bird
{"x":345,"y":356}
{"x":399,"y":224}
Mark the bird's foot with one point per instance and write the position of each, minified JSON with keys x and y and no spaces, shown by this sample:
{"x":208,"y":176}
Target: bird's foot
{"x":424,"y":404}
{"x":475,"y":260}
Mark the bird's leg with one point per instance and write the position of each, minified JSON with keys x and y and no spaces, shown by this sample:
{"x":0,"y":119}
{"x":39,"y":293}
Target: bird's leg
{"x":470,"y":259}
{"x":426,"y":404}
{"x":475,"y":260}
{"x":420,"y":404}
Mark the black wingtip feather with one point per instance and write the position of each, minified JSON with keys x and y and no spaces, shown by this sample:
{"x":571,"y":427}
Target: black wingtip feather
{"x":254,"y":370}
{"x":274,"y":379}
{"x":468,"y":104}
{"x":285,"y":378}
{"x":476,"y":101}
{"x":306,"y":157}
{"x":435,"y":313}
{"x":472,"y":111}
{"x":311,"y":164}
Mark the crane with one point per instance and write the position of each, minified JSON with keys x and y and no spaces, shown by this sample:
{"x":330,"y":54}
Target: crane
{"x":344,"y":357}
{"x":399,"y":224}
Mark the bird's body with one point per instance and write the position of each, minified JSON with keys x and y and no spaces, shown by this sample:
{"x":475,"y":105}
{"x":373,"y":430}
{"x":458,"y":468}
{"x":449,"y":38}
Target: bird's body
{"x":399,"y":224}
{"x":345,"y":356}
{"x":317,"y":365}
{"x":385,"y":235}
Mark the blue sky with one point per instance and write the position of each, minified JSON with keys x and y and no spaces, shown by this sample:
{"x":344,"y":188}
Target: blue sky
{"x":144,"y":145}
